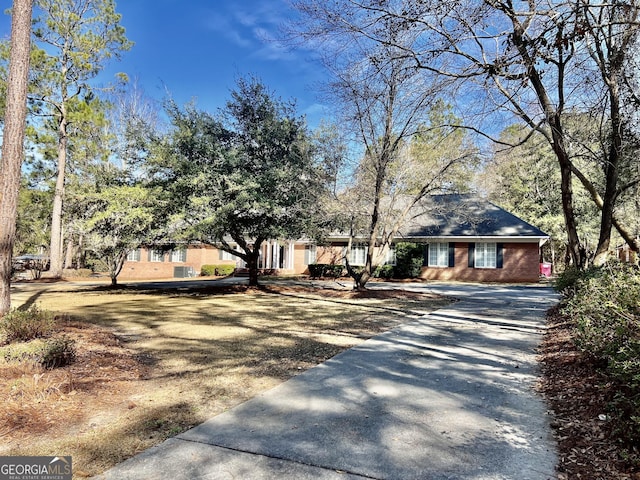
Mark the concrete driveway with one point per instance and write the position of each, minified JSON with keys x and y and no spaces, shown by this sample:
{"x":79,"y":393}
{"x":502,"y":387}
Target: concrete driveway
{"x":448,"y":395}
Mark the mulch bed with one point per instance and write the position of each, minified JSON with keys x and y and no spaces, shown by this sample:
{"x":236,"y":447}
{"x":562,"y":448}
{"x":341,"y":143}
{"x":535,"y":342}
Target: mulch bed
{"x":579,"y":395}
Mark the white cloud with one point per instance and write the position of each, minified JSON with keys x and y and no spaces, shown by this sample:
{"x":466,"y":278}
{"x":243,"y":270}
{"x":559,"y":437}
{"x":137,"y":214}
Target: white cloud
{"x":222,"y":25}
{"x":255,"y":26}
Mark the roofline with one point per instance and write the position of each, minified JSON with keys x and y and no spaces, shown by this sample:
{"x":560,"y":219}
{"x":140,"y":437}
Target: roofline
{"x":542,"y":239}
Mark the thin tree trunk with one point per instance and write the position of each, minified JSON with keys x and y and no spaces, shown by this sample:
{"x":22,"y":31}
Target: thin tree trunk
{"x":56,"y":245}
{"x":610,"y":170}
{"x":13,"y":141}
{"x":68,"y":257}
{"x":79,"y":259}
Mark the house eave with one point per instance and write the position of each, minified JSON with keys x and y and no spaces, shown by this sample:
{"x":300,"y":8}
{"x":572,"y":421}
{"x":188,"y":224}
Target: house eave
{"x":541,"y":240}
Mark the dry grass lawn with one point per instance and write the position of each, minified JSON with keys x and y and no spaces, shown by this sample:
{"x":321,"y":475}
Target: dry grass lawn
{"x":152,"y":364}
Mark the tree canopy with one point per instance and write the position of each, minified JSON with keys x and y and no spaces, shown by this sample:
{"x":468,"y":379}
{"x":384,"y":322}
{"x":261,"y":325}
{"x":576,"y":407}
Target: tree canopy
{"x":242,"y":177}
{"x":535,"y":61}
{"x":75,"y":40}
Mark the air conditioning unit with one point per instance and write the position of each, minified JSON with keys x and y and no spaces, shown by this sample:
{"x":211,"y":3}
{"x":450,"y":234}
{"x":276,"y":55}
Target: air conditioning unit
{"x":183,"y":272}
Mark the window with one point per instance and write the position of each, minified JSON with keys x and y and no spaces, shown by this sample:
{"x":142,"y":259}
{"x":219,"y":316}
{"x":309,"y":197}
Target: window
{"x":310,"y":254}
{"x":390,"y":259}
{"x":179,"y":255}
{"x":156,"y":256}
{"x":358,"y":255}
{"x":486,"y":255}
{"x":224,"y":255}
{"x":133,"y":255}
{"x":438,"y":255}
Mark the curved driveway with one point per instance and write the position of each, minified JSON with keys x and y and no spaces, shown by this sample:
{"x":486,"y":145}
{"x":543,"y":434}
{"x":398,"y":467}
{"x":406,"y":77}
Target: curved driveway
{"x":448,"y":395}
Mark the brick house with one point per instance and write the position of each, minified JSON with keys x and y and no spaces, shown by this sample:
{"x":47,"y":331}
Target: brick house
{"x":148,"y":263}
{"x":464,"y":238}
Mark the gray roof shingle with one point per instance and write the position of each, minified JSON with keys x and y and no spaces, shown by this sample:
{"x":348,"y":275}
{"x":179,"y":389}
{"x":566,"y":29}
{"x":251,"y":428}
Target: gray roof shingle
{"x":457,"y":215}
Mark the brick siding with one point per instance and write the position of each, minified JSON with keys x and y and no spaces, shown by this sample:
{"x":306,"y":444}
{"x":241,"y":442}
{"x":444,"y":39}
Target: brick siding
{"x":520,"y":264}
{"x":147,"y":270}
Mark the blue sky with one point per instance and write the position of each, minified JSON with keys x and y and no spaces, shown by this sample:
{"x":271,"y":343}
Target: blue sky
{"x":196,"y":49}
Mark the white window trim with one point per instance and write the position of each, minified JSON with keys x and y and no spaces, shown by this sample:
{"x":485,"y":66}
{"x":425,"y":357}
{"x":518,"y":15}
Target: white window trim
{"x":134,"y":255}
{"x":179,"y":255}
{"x":486,"y":255}
{"x":310,"y":254}
{"x":228,"y":256}
{"x":438,"y":255}
{"x":358,"y":255}
{"x":156,"y":256}
{"x":390,"y":258}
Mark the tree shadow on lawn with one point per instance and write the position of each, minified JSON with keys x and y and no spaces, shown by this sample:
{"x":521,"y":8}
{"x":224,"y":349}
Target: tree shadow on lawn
{"x":229,"y":329}
{"x":140,"y":428}
{"x":208,"y":350}
{"x":391,"y":301}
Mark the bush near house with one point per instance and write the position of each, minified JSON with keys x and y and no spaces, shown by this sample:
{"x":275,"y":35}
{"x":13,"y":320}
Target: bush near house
{"x":604,"y":306}
{"x":316,"y":270}
{"x":217,"y":270}
{"x":384,"y":271}
{"x":321,"y":270}
{"x":408,"y":265}
{"x":334,"y":271}
{"x":408,"y":260}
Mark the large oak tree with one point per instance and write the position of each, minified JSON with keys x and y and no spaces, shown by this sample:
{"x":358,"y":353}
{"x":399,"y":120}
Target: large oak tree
{"x":242,"y":177}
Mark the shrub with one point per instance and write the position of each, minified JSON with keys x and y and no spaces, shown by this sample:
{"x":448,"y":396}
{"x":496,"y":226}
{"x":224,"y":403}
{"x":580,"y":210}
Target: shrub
{"x":316,"y":270}
{"x":23,"y":351}
{"x":225,"y":270}
{"x":384,"y":271}
{"x":208,"y":270}
{"x":19,"y":325}
{"x":605,"y":306}
{"x":320,"y":270}
{"x":217,"y":270}
{"x":568,"y":281}
{"x":408,"y":260}
{"x":606,"y":309}
{"x":334,"y":271}
{"x":57,"y":352}
{"x":48,"y":353}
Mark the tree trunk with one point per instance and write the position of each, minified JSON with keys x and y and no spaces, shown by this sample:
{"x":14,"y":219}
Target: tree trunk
{"x":116,"y":266}
{"x":624,"y":231}
{"x":252,"y":265}
{"x":611,"y":168}
{"x":79,"y":256}
{"x":553,"y":115}
{"x":55,"y":249}
{"x":68,"y":257}
{"x":13,"y":141}
{"x":576,"y":252}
